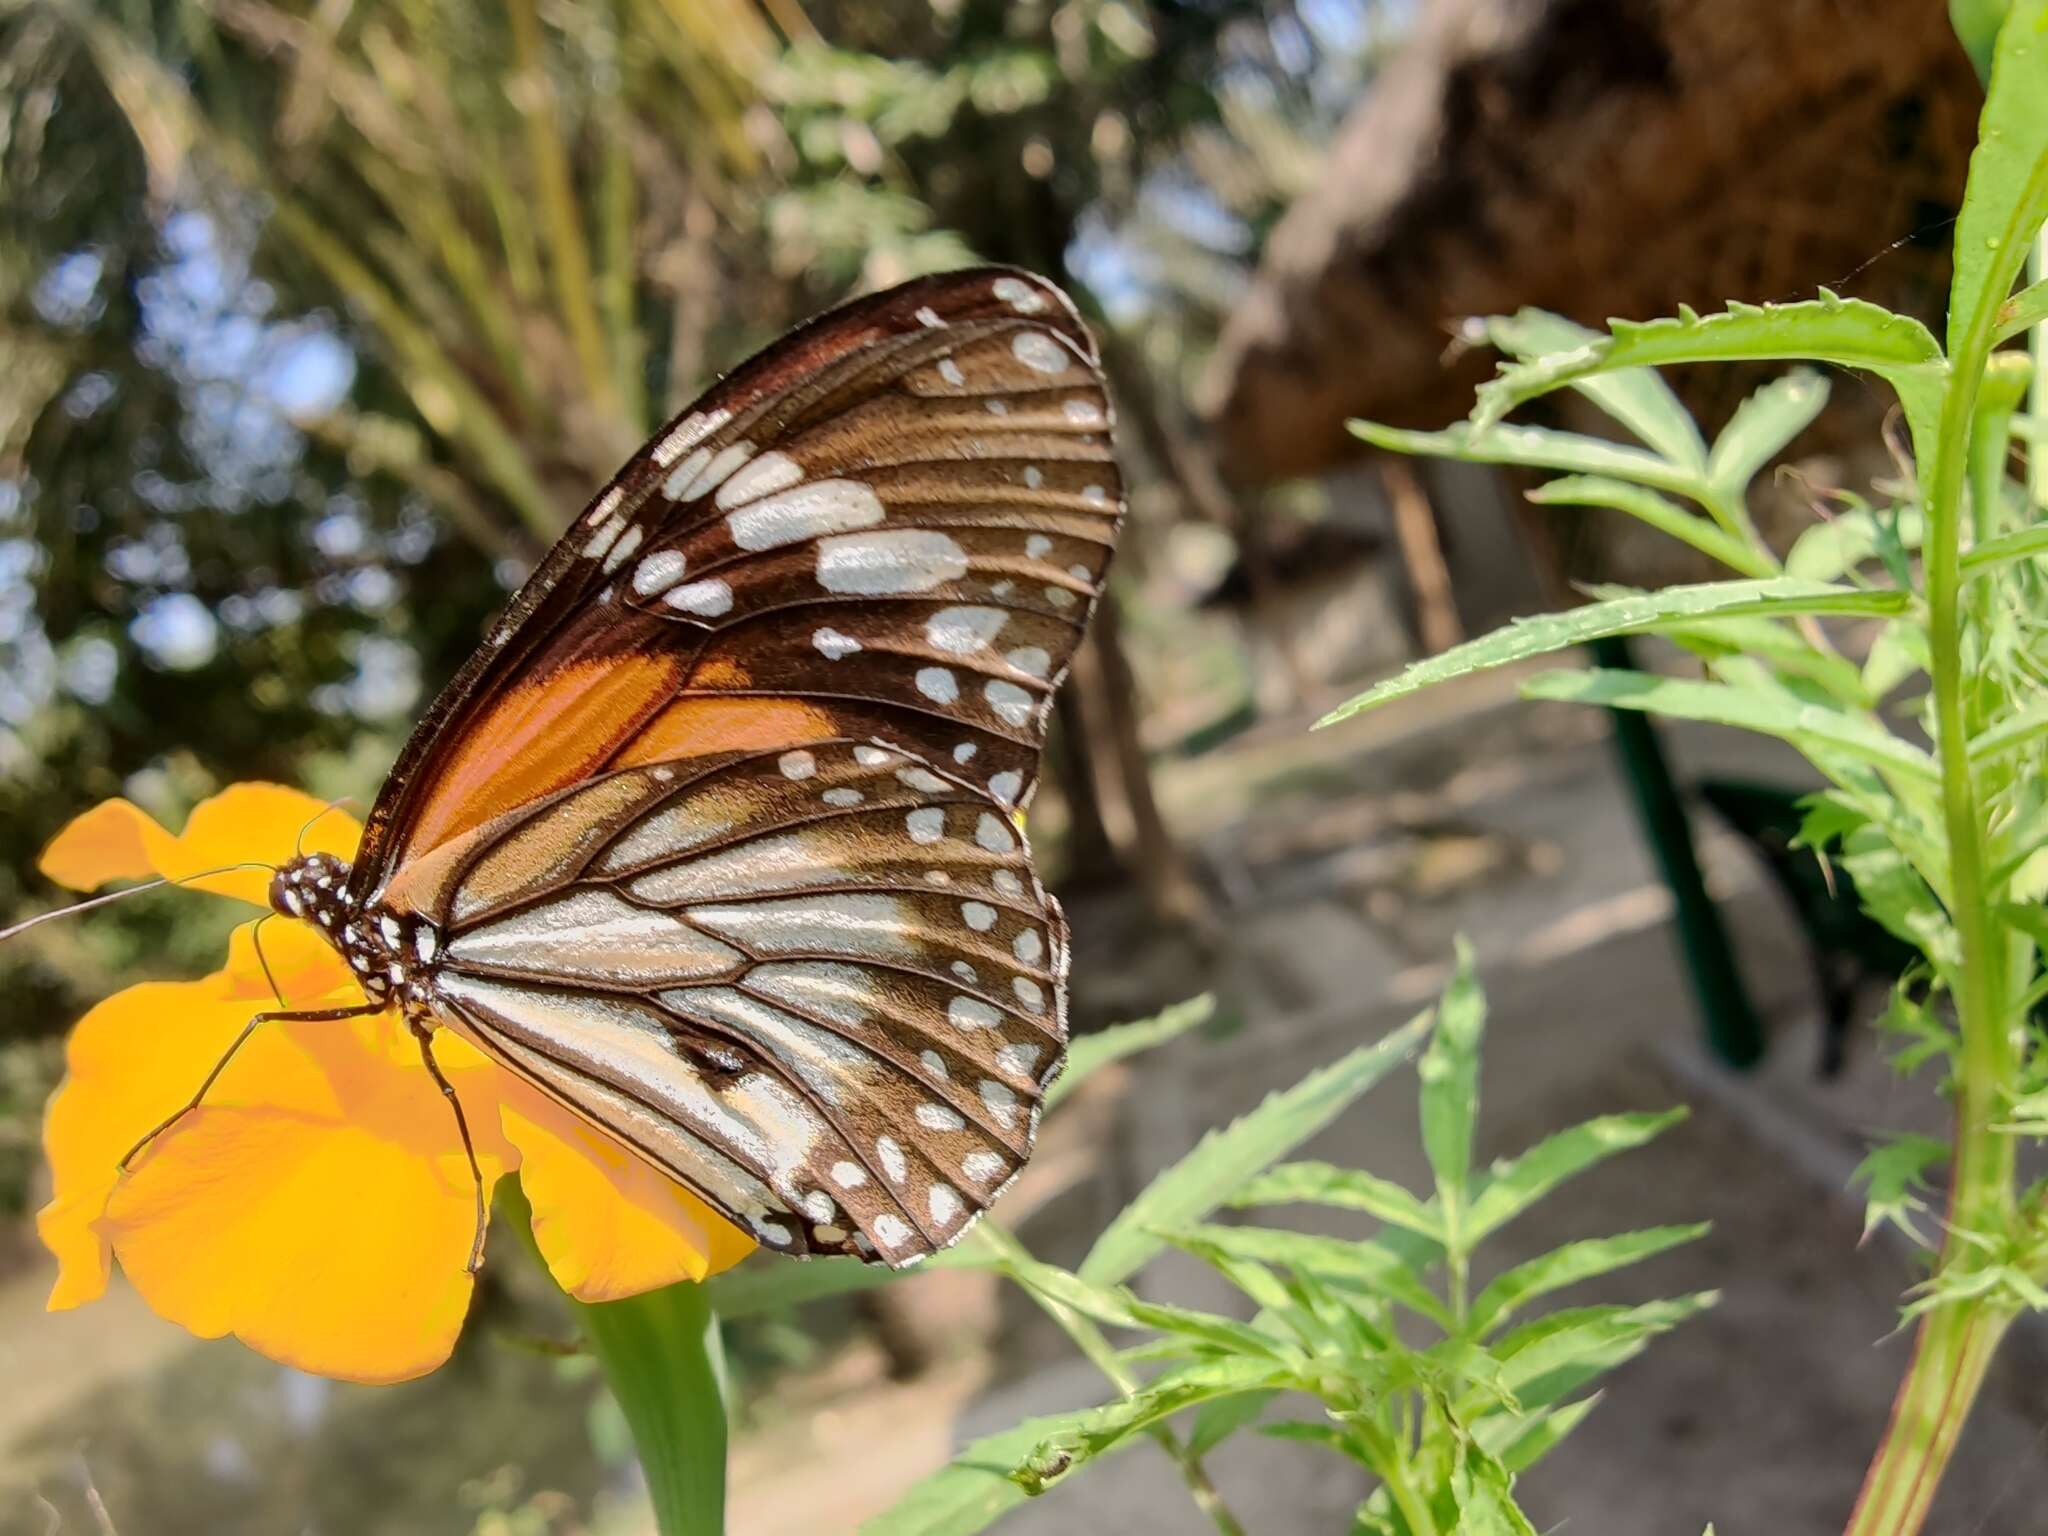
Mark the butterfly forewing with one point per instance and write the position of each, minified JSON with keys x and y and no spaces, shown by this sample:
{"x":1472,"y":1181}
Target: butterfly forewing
{"x":892,"y":526}
{"x":716,"y":835}
{"x":821,"y":986}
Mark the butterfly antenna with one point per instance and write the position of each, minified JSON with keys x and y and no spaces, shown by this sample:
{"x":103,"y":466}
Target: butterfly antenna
{"x":299,"y":846}
{"x":100,"y":901}
{"x":256,"y":938}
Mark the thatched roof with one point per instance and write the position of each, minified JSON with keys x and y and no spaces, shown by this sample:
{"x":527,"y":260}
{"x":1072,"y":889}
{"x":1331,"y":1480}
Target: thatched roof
{"x":1602,"y":158}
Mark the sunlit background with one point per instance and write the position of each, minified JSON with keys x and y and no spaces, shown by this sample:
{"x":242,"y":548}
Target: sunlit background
{"x":318,"y":321}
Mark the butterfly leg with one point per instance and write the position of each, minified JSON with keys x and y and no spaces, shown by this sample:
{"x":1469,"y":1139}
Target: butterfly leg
{"x":282,"y":1016}
{"x":425,"y":1035}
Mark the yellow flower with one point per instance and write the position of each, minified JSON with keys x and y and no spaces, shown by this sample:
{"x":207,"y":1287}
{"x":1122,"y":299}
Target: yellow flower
{"x":318,"y":1206}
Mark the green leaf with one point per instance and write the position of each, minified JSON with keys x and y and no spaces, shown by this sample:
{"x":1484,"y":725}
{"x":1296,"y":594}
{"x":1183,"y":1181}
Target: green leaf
{"x":1091,"y":1053}
{"x":1637,"y":398}
{"x":1834,"y":547}
{"x":2006,"y":196}
{"x":1893,"y":893}
{"x":1522,"y":1440}
{"x":1225,"y":1158}
{"x":2020,"y":729}
{"x":974,"y":1490}
{"x":1225,"y":1335}
{"x":1449,"y":1070}
{"x":1892,"y":1173}
{"x":2028,"y":543}
{"x":1807,"y":726}
{"x":1848,"y":333}
{"x":1484,"y":1492}
{"x":1115,"y":1307}
{"x":1350,"y":1189}
{"x":1544,"y":1361}
{"x":1976,"y":28}
{"x":1373,"y":1266}
{"x":1569,"y":1265}
{"x":1098,"y":1430}
{"x":1515,"y":1184}
{"x":1659,"y":512}
{"x":1533,"y":448}
{"x":1763,"y":424}
{"x":1637,"y":614}
{"x":2022,"y":312}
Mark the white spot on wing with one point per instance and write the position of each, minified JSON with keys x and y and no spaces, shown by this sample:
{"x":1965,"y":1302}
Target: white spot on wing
{"x":723,"y":463}
{"x":622,"y":551}
{"x":890,"y":1231}
{"x":1001,"y":1100}
{"x":1018,"y":294}
{"x":939,"y":1117}
{"x":1012,"y":704}
{"x":921,"y":779}
{"x":686,"y":434}
{"x":891,"y":561}
{"x":971,"y":1013}
{"x":804,"y":512}
{"x":950,"y":372}
{"x":1038,"y":546}
{"x":938,"y":684}
{"x":981,"y":1167}
{"x":848,"y":1175}
{"x":978,"y":915}
{"x":1033,"y":660}
{"x":770,"y":472}
{"x":891,"y":1154}
{"x":1028,"y":946}
{"x":797,"y":765}
{"x":994,"y":834}
{"x":1084,"y":413}
{"x":1029,"y":993}
{"x":1019,"y":1059}
{"x":1006,"y":787}
{"x":709,"y":597}
{"x":832,"y":645}
{"x":842,"y":796}
{"x":659,"y":571}
{"x":1039,"y":352}
{"x":945,"y":1204}
{"x":963,"y":631}
{"x":926,"y":825}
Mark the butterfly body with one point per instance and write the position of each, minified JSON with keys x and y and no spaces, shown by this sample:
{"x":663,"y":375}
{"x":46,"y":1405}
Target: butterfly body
{"x":716,"y":840}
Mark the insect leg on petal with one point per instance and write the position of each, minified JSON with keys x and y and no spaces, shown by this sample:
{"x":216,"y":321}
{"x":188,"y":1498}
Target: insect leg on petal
{"x":424,"y":1033}
{"x":280,"y":1016}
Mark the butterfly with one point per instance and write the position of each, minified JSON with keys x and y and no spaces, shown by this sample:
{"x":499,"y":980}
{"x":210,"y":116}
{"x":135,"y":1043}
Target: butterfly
{"x":716,"y":840}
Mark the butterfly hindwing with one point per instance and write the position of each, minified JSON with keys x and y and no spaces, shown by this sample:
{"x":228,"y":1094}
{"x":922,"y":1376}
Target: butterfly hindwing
{"x":820,"y":986}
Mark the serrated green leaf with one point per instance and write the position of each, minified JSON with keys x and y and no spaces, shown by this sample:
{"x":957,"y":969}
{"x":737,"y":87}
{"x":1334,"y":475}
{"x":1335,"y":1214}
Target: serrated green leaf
{"x":1547,"y":1360}
{"x":1768,"y":714}
{"x":1350,"y":1189}
{"x":974,"y":1490}
{"x":1483,"y":1490}
{"x":1091,"y":1053}
{"x":2006,"y":196}
{"x":1636,"y":398}
{"x":1105,"y":1304}
{"x":1763,"y":424}
{"x":2029,"y":543}
{"x":1219,"y":1333}
{"x":1848,"y":333}
{"x":1449,"y":1070}
{"x":1514,"y":1184}
{"x":1090,"y":1434}
{"x":1893,"y":893}
{"x":1891,"y":1175}
{"x":1659,"y":512}
{"x":1639,"y":613}
{"x":1225,"y":1158}
{"x":1567,"y":1266}
{"x":1373,"y":1266}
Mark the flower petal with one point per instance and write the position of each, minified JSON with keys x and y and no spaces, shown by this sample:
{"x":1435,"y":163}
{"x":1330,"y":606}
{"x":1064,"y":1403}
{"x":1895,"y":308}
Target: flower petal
{"x":131,"y":1061}
{"x":327,"y":1227}
{"x":608,"y":1224}
{"x":256,"y":824}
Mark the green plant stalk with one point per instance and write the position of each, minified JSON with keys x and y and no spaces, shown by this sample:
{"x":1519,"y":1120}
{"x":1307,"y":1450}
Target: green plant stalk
{"x":2037,"y":453}
{"x":661,"y":1357}
{"x":1390,"y":1464}
{"x":1956,"y":1337}
{"x":1089,"y":1340}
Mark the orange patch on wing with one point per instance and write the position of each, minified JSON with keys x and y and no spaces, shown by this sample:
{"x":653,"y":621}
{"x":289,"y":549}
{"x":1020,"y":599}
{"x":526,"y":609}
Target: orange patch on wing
{"x":720,"y":672}
{"x":699,"y":727}
{"x":540,"y":738}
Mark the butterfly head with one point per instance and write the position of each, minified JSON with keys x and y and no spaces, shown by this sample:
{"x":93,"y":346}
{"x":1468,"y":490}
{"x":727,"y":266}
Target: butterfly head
{"x":392,"y":954}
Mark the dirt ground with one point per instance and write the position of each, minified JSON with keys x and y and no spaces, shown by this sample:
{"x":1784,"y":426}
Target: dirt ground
{"x":1343,"y":863}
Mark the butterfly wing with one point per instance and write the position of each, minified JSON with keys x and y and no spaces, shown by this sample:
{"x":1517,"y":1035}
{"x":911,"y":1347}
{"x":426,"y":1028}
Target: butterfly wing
{"x":892,"y":524}
{"x":718,"y":827}
{"x":822,"y":987}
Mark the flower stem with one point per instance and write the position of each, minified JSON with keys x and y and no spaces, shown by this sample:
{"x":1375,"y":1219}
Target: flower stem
{"x":1950,"y":1357}
{"x":661,"y":1358}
